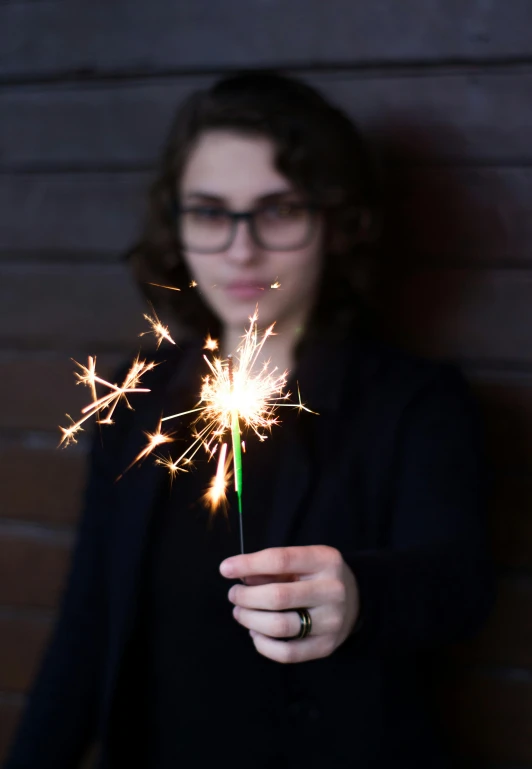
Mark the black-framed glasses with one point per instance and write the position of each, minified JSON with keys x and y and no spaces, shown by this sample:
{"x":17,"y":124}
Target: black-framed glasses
{"x":275,"y":227}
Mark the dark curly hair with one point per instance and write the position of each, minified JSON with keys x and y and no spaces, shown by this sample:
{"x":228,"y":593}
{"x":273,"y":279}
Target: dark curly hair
{"x":317,"y":148}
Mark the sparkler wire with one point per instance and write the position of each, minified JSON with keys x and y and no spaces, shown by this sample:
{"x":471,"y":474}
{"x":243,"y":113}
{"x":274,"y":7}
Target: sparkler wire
{"x":237,"y":457}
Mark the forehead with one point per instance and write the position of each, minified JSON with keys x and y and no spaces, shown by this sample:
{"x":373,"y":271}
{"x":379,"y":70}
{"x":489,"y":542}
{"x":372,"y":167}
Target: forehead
{"x":232,"y":166}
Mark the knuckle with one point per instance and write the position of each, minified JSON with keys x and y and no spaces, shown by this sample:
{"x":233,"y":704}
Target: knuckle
{"x":338,"y":592}
{"x":337,"y":620}
{"x":334,"y":621}
{"x":279,"y":596}
{"x":330,"y":558}
{"x":281,"y":560}
{"x":335,"y":559}
{"x":321,"y":553}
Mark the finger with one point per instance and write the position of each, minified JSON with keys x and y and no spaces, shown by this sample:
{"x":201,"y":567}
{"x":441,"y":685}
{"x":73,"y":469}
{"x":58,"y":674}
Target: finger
{"x":274,"y":560}
{"x":287,"y":624}
{"x":271,"y":623}
{"x":285,"y":595}
{"x":291,"y":652}
{"x":267,"y":579}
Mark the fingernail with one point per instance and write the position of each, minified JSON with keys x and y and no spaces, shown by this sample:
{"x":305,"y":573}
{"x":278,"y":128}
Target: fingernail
{"x":226,"y":569}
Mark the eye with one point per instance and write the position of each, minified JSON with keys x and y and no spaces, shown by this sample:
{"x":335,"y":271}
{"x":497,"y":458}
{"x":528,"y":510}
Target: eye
{"x":207,"y":215}
{"x":282,"y":211}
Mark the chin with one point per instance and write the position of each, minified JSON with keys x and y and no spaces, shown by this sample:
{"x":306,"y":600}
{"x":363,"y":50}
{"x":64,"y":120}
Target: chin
{"x":239,"y":313}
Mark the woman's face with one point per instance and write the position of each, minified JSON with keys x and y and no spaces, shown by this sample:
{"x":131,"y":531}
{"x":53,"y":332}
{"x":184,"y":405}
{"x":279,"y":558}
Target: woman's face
{"x":232,"y":172}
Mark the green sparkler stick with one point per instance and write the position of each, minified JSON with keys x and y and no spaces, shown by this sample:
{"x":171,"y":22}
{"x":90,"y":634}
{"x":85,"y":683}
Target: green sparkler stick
{"x":237,"y":457}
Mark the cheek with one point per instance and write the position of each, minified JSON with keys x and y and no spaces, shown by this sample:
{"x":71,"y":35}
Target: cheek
{"x":200,"y":269}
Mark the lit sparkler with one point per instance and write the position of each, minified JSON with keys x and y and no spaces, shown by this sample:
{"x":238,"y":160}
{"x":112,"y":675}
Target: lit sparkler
{"x":234,"y":394}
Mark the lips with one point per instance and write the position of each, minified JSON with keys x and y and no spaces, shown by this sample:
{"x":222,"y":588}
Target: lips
{"x":245,"y":289}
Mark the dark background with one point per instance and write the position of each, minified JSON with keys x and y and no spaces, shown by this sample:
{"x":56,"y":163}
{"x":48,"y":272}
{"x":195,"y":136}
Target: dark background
{"x":87,"y":89}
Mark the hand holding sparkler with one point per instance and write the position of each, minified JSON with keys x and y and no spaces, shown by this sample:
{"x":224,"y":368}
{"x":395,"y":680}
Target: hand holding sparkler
{"x":278,"y":582}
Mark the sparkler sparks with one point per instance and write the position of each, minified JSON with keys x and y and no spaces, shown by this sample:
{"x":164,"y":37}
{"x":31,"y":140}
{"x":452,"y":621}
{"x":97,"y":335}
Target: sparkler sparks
{"x":276,"y":284}
{"x":161,"y":331}
{"x":253,"y":394}
{"x":216,"y":494}
{"x":108,"y":402}
{"x":170,"y":288}
{"x":210,"y":344}
{"x":234,"y":393}
{"x":155,"y":440}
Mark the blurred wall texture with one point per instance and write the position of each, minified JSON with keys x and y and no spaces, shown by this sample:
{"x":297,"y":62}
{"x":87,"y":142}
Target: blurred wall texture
{"x":87,"y":90}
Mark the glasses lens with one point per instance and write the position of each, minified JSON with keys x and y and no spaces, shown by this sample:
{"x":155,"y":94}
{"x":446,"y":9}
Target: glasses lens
{"x":205,"y":229}
{"x":283,"y":226}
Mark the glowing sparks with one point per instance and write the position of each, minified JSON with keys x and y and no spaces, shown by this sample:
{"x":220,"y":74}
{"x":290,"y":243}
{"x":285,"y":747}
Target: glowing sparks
{"x":210,"y":344}
{"x":170,"y":465}
{"x":160,"y":331}
{"x":244,"y":392}
{"x":253,"y":395}
{"x":276,"y":284}
{"x":233,"y":393}
{"x":192,"y":284}
{"x":170,"y":288}
{"x":104,"y":406}
{"x":216,"y":494}
{"x":250,"y":391}
{"x":155,"y":440}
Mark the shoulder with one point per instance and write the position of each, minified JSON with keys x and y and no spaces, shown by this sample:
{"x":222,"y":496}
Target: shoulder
{"x":387,"y":366}
{"x":396,"y":381}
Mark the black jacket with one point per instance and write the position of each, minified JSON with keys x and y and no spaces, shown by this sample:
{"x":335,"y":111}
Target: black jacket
{"x":390,"y":472}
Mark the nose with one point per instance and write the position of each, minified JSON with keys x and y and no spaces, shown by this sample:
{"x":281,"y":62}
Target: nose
{"x":243,"y":249}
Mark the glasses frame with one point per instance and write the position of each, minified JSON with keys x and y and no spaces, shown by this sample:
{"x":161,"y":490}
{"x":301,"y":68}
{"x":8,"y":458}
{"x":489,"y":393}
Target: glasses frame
{"x":249,"y":217}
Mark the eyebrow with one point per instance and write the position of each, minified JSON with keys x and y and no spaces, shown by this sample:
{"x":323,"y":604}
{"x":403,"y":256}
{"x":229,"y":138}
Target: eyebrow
{"x":212,"y":198}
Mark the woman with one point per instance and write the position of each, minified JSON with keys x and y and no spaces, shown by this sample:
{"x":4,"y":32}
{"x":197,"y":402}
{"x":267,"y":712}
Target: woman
{"x":364,"y":530}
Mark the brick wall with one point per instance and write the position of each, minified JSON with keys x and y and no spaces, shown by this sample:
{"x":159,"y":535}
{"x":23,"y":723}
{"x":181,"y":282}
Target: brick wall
{"x":86,"y":93}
